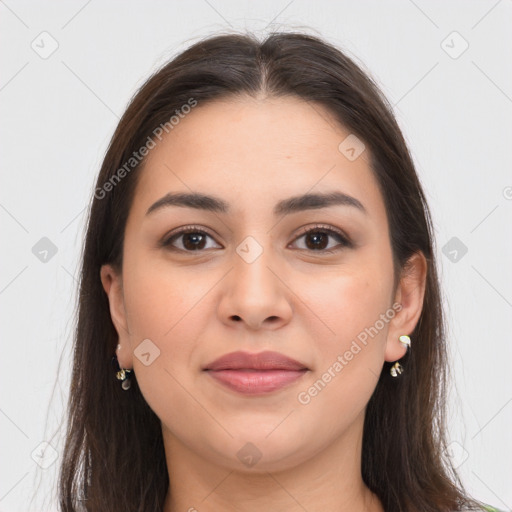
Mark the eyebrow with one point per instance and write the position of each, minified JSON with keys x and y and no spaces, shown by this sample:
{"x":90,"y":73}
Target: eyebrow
{"x":284,"y":207}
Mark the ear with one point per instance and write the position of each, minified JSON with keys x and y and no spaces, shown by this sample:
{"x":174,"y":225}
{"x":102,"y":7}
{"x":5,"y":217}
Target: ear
{"x":113,"y":285}
{"x":410,"y":294}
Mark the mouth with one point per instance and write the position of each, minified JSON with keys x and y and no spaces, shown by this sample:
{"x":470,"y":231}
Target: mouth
{"x":255,"y":374}
{"x":256,"y":382}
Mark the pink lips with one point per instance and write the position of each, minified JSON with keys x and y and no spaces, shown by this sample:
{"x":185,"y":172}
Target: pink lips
{"x":254,"y":374}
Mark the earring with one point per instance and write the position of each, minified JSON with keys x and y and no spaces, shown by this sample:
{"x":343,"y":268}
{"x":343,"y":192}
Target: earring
{"x":122,"y":374}
{"x":397,"y":368}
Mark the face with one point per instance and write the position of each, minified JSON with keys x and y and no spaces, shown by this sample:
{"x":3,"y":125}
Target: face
{"x":306,"y":282}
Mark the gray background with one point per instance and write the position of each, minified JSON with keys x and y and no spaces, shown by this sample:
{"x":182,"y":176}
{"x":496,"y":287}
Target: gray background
{"x":59,"y":111}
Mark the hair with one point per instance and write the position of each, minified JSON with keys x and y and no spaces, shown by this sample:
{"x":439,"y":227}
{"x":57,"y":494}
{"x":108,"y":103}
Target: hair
{"x":114,"y":454}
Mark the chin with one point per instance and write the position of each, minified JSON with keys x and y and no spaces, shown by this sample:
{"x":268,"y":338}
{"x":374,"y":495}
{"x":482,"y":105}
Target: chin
{"x":252,"y":450}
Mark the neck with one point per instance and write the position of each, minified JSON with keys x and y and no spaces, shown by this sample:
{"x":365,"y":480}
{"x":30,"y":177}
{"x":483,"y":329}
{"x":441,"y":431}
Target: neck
{"x":331,"y":480}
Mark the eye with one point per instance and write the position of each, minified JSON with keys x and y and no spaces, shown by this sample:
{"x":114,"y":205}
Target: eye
{"x":192,"y":239}
{"x":317,"y":239}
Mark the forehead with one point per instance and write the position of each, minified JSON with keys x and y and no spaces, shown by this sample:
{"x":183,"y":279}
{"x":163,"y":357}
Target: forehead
{"x":252,"y":151}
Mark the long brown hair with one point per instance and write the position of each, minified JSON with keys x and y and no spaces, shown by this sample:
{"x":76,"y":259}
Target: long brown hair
{"x":114,"y":455}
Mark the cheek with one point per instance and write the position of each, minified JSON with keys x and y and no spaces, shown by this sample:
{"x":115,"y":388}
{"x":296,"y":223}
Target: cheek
{"x":351,"y":357}
{"x":162,"y":305}
{"x":351,"y":302}
{"x":356,"y":307}
{"x":157,"y":297}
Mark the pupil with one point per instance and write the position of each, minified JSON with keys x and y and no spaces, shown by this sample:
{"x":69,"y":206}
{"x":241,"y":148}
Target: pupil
{"x":195,"y":237}
{"x":317,"y":237}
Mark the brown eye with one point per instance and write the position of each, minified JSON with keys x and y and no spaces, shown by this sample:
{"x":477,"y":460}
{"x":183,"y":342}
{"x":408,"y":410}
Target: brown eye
{"x":188,"y":239}
{"x":318,"y":239}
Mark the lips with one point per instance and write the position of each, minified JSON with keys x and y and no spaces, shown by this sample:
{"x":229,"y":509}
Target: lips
{"x":262,"y":361}
{"x":255,"y":374}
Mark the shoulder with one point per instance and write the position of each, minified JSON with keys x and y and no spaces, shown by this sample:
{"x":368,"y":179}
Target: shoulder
{"x":484,"y":508}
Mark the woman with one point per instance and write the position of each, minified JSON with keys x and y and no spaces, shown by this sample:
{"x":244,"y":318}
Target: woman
{"x":259,"y":269}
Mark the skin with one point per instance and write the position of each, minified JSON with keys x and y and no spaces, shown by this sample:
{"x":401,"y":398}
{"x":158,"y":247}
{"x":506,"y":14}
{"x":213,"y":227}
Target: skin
{"x":198,"y":305}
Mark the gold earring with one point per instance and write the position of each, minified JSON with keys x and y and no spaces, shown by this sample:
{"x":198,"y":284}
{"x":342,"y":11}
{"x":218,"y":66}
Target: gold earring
{"x":122,"y":374}
{"x":397,"y":368}
{"x":405,"y":340}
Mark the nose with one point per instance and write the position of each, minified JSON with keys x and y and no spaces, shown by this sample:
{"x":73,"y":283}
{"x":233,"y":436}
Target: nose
{"x":255,"y":294}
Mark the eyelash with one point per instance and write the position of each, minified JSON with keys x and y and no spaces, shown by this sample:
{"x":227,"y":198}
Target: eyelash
{"x":329,"y":230}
